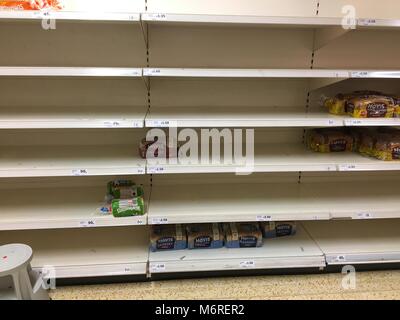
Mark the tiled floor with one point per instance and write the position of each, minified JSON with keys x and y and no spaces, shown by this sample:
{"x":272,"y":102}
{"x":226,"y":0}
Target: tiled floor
{"x":369,"y":285}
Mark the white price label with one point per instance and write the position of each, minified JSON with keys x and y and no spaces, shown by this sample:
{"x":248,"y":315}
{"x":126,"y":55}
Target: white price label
{"x":331,"y":122}
{"x":340,"y":258}
{"x":359,"y":74}
{"x":155,"y":170}
{"x":158,"y":16}
{"x":353,"y":122}
{"x":263,"y":218}
{"x":157,"y":267}
{"x":140,"y":222}
{"x":140,"y":171}
{"x":162,"y":220}
{"x":161,"y":123}
{"x":366,"y":22}
{"x":87,"y":223}
{"x":347,"y":167}
{"x":364,"y":215}
{"x":249,"y":264}
{"x":153,"y":72}
{"x":112,"y":124}
{"x":80,"y":172}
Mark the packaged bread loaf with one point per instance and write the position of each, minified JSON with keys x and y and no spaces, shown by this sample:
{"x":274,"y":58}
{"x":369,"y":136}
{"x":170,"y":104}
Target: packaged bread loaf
{"x":124,"y":189}
{"x":396,"y":100}
{"x":366,"y":142}
{"x":202,"y":236}
{"x":371,"y":106}
{"x":167,"y":237}
{"x":127,"y":207}
{"x":278,"y":229}
{"x":165,"y":149}
{"x":387,"y":147}
{"x":338,"y":105}
{"x":329,"y":140}
{"x":242,"y":235}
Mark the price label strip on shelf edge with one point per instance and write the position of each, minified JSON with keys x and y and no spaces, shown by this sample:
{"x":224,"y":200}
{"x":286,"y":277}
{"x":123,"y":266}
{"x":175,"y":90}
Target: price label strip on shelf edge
{"x":158,"y":16}
{"x":80,"y":172}
{"x":247,"y":264}
{"x":155,"y":170}
{"x":340,"y":258}
{"x":163,"y":123}
{"x":364,"y":215}
{"x":157,"y":267}
{"x":353,"y":122}
{"x":162,"y":220}
{"x":367,"y":22}
{"x":262,"y":218}
{"x":153,"y":72}
{"x":112,"y":124}
{"x":87,"y":223}
{"x":359,"y":74}
{"x":347,"y":167}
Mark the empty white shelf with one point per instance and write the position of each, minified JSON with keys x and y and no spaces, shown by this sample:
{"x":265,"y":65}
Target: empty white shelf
{"x":201,"y":203}
{"x":280,"y":158}
{"x":238,"y":117}
{"x":228,"y":202}
{"x":76,"y":253}
{"x":298,"y":251}
{"x":47,"y":161}
{"x":270,"y":73}
{"x":245,"y":73}
{"x":69,"y":72}
{"x":74,"y":117}
{"x":273,"y":21}
{"x":59,"y":208}
{"x":357,"y":242}
{"x":70,"y":16}
{"x":207,"y":19}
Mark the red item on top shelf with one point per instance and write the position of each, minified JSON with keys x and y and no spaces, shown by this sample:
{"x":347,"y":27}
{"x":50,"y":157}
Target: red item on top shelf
{"x":30,"y":4}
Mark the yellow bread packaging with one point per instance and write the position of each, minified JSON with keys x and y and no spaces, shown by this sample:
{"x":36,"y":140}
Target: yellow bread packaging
{"x":329,"y":140}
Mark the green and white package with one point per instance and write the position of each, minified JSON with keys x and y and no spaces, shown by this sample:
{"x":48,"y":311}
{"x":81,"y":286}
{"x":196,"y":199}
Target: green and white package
{"x":124,"y":189}
{"x":127,"y":207}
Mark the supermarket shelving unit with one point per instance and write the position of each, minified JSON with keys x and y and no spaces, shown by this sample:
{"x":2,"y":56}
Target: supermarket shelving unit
{"x":76,"y":101}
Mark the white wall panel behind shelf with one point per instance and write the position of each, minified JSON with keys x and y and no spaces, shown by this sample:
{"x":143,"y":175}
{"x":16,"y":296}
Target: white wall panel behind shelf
{"x":87,"y":92}
{"x":353,"y":50}
{"x":77,"y":253}
{"x":216,"y":47}
{"x":228,"y":92}
{"x":370,"y":9}
{"x":73,"y":44}
{"x":304,"y":8}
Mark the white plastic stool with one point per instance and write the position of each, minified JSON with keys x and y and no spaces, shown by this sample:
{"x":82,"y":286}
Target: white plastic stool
{"x":15,"y":261}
